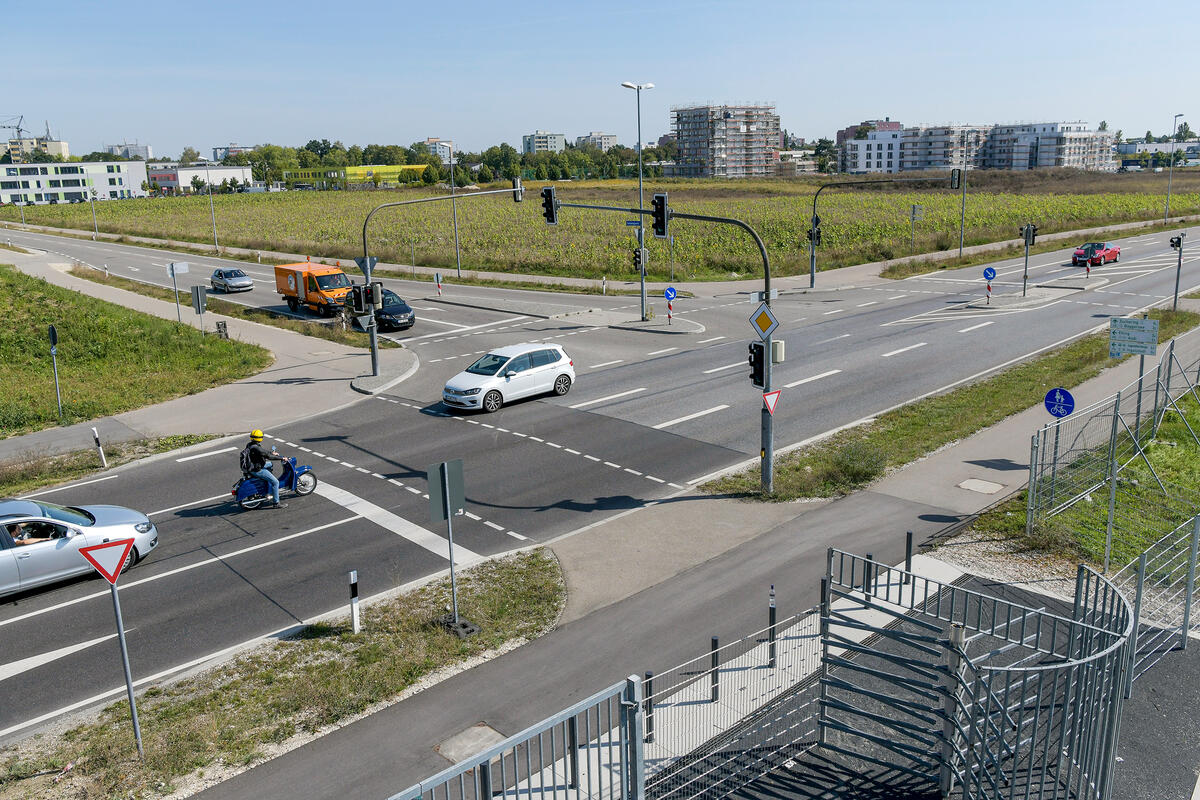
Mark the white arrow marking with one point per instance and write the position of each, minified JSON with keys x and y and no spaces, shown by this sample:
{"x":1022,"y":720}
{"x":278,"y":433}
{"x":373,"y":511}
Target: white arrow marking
{"x":24,"y":665}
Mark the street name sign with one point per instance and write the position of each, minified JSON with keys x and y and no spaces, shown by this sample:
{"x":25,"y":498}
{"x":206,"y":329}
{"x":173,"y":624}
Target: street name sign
{"x":633,"y":223}
{"x":763,"y":321}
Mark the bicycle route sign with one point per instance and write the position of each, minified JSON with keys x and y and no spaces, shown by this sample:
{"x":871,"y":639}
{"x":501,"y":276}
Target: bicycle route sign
{"x":1059,"y":402}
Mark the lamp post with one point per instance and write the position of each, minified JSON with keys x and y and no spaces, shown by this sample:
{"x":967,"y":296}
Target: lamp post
{"x":95,"y":227}
{"x":1171,"y":166}
{"x":454,"y":211}
{"x":637,"y":87}
{"x":211,"y":210}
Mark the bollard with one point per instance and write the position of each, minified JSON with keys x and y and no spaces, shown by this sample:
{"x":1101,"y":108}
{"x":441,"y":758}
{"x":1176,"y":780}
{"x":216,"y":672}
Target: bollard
{"x":715,"y":674}
{"x":354,"y":600}
{"x":648,"y":706}
{"x":259,"y":256}
{"x":604,"y":285}
{"x":868,"y":569}
{"x":99,"y":449}
{"x":106,"y":271}
{"x":908,"y":557}
{"x":771,"y":629}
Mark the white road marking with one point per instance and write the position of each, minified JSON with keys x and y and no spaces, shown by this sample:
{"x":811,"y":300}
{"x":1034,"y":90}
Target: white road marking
{"x":835,"y":311}
{"x":864,"y":305}
{"x":610,"y":397}
{"x":668,"y":424}
{"x":222,"y":496}
{"x":396,"y":524}
{"x":607,"y":364}
{"x":17,"y":667}
{"x":727,"y":366}
{"x":904,"y":349}
{"x":660,"y":352}
{"x":71,"y":486}
{"x":834,"y":339}
{"x":811,"y":378}
{"x":976,"y":327}
{"x":713,"y":339}
{"x":896,"y":297}
{"x":206,"y":455}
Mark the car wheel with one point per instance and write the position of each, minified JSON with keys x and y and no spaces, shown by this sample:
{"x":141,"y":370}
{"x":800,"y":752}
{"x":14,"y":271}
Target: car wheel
{"x":306,"y":483}
{"x":130,"y":559}
{"x":492,"y":401}
{"x":1117,"y":257}
{"x":562,"y":385}
{"x":293,"y":306}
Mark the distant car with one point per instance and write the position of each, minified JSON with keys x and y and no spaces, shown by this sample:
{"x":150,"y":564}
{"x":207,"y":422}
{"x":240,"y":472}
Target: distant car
{"x":231,"y":280}
{"x":40,"y":541}
{"x":1095,"y":253}
{"x":396,"y":315}
{"x":510,"y":373}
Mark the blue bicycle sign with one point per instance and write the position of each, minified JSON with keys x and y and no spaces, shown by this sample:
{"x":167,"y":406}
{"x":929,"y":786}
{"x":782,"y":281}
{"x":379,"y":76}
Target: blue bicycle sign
{"x":1059,"y":402}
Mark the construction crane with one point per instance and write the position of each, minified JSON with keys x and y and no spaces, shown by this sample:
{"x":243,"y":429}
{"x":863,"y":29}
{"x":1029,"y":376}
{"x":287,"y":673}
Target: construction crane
{"x":16,"y":126}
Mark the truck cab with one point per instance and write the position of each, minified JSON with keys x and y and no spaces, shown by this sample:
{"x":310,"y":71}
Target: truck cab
{"x":318,"y":287}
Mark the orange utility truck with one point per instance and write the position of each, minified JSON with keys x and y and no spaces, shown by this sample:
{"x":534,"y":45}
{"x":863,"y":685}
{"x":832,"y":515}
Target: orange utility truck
{"x":319,"y":287}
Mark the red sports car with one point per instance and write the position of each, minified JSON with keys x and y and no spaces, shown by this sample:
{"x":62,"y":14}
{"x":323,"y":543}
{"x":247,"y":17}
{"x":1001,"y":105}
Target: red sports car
{"x":1095,"y":253}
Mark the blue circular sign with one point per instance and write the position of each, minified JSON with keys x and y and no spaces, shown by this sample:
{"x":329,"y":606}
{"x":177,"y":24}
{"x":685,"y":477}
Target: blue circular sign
{"x":1059,"y":402}
{"x":989,"y":273}
{"x":669,"y":293}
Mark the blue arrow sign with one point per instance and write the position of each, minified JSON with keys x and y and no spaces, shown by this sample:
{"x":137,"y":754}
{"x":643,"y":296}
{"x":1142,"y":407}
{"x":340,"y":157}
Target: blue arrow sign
{"x":633,"y":223}
{"x":1059,"y":402}
{"x":669,"y":293}
{"x":989,"y":274}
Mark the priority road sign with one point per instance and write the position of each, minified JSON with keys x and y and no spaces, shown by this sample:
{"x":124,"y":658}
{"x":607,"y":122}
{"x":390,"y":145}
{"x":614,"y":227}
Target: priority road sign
{"x":989,"y":274}
{"x":669,"y":293}
{"x":1059,"y":402}
{"x":763,"y":321}
{"x":107,"y":558}
{"x":771,"y":399}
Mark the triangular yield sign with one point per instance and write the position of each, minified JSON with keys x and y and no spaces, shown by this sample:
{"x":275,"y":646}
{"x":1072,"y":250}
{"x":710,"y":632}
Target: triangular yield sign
{"x":107,"y":558}
{"x":771,"y":398}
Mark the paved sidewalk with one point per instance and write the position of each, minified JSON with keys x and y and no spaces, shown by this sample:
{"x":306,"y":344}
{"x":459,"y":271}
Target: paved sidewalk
{"x":308,"y":376}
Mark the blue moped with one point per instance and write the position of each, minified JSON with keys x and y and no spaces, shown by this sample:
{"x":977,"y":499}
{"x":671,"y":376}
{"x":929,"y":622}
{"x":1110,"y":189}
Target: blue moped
{"x":252,"y":492}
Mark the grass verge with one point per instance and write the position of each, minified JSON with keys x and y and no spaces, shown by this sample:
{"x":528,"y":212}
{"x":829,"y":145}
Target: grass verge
{"x":234,"y":714}
{"x":332,"y":332}
{"x":110,"y":359}
{"x":13,"y":248}
{"x":852,"y":458}
{"x":557,"y":288}
{"x":34,"y":471}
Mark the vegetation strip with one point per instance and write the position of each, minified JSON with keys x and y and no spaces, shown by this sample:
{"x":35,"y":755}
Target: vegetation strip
{"x":110,"y":359}
{"x":33,"y":471}
{"x":853,"y":458}
{"x":238,"y":713}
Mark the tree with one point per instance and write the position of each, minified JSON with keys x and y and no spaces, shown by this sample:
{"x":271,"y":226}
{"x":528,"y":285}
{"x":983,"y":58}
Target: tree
{"x":541,"y":173}
{"x":189,"y":155}
{"x":224,"y":187}
{"x":1149,"y":137}
{"x":429,"y":176}
{"x":234,"y":184}
{"x":145,"y":186}
{"x":1103,"y":125}
{"x":862,"y":130}
{"x":461,"y":177}
{"x":354,"y":156}
{"x":318,"y":148}
{"x":308,"y":159}
{"x":197,"y":184}
{"x":1118,"y":137}
{"x":1184,"y":132}
{"x":485,"y":174}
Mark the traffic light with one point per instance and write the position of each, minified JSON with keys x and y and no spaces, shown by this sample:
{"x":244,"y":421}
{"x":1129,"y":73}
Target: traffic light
{"x":758,"y":363}
{"x":1176,"y":242}
{"x":357,"y":300}
{"x":374,"y":297}
{"x":955,"y":178}
{"x":814,"y":236}
{"x":637,"y":259}
{"x":518,"y":190}
{"x":661,"y":213}
{"x":549,"y":205}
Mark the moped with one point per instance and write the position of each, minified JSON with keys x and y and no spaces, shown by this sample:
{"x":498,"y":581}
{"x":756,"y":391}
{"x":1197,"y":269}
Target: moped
{"x":251,"y":491}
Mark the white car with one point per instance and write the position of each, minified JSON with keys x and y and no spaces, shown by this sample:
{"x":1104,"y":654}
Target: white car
{"x":510,"y":373}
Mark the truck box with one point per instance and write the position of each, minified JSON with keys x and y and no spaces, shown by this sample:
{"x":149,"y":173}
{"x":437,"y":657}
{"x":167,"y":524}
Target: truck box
{"x":318,"y":287}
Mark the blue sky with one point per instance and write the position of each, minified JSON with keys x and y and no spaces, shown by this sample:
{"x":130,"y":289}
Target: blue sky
{"x":484,"y":72}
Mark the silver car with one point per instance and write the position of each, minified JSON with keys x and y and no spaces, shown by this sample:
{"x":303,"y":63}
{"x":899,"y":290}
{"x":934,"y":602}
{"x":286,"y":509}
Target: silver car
{"x":40,"y":542}
{"x":509,"y":373}
{"x":230,"y":280}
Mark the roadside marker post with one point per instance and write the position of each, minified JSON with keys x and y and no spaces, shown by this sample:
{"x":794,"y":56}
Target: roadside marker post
{"x":99,"y":449}
{"x":437,"y":276}
{"x":988,"y":275}
{"x":446,"y":499}
{"x":108,"y":559}
{"x":354,"y":621}
{"x":54,"y":359}
{"x":177,"y":268}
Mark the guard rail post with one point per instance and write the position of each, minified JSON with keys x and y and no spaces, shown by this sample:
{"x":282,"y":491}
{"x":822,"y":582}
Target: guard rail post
{"x":714,"y":670}
{"x":648,"y":710}
{"x":1190,"y":586}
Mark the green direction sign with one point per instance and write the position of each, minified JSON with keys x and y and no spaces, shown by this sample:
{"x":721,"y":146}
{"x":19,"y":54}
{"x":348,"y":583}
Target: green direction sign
{"x":763,"y":321}
{"x":1137,"y":337}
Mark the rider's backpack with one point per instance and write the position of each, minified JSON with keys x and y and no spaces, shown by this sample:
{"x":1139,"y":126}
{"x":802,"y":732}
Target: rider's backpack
{"x":244,"y":460}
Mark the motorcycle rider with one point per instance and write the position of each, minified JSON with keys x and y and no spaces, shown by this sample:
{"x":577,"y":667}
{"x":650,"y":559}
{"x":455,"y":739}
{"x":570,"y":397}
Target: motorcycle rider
{"x":260,"y":462}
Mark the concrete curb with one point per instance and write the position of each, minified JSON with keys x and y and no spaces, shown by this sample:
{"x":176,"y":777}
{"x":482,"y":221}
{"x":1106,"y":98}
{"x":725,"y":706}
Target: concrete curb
{"x":366,"y":384}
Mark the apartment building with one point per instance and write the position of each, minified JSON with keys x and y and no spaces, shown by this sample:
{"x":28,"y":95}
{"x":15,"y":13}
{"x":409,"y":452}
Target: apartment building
{"x":603,"y":141}
{"x":543,"y":142}
{"x":20,"y":149}
{"x":1018,"y":147}
{"x":849,"y":132}
{"x":879,"y":152}
{"x":231,"y":149}
{"x":126,"y":150}
{"x":71,"y":183}
{"x":442,"y":148}
{"x":725,"y":141}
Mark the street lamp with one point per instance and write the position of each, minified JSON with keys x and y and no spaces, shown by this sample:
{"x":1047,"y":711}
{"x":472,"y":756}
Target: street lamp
{"x":637,"y":87}
{"x":1171,"y":166}
{"x":211,"y":210}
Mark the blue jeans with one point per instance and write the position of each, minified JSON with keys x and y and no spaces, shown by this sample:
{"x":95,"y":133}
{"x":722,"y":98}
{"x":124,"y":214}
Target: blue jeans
{"x":271,"y":480}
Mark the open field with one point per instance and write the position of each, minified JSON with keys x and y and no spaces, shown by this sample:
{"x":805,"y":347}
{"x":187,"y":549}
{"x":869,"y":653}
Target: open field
{"x":110,"y":359}
{"x":497,"y":234}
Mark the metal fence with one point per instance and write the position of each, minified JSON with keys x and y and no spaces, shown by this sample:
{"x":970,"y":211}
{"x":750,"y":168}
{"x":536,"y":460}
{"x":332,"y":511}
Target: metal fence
{"x":972,"y":693}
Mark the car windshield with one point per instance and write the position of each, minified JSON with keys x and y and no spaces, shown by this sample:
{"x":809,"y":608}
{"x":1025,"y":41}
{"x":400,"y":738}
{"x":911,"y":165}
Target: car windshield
{"x":488,"y":365}
{"x":337,"y":280}
{"x":390,"y":298}
{"x":1092,"y":246}
{"x":235,"y":273}
{"x":75,"y":516}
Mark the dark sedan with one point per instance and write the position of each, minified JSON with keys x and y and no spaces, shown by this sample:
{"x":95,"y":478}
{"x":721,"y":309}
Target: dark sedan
{"x":396,"y":315}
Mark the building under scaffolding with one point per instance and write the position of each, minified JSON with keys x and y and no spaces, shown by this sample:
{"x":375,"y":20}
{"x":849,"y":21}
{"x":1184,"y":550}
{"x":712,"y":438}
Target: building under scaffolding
{"x":725,"y":141}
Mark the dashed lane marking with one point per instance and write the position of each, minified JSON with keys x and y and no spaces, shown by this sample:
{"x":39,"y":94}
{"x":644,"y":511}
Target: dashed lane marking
{"x":617,"y":396}
{"x":706,"y":412}
{"x":810,"y":379}
{"x":722,"y":369}
{"x":904,"y":349}
{"x":976,"y":327}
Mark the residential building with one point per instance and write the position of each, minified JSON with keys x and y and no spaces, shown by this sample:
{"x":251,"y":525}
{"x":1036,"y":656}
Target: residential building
{"x":1007,"y":146}
{"x":603,"y":141}
{"x":1139,"y":146}
{"x":176,"y":179}
{"x":878,"y":152}
{"x":725,"y":141}
{"x":845,"y":134}
{"x":231,"y":149}
{"x":442,"y":148}
{"x":19,"y":149}
{"x":543,"y":142}
{"x":72,"y":182}
{"x":943,"y":147}
{"x":126,"y":150}
{"x":796,"y":162}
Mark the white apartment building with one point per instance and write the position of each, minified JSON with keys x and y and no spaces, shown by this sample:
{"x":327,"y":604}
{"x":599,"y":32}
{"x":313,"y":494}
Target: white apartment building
{"x":126,"y":150}
{"x":71,"y":182}
{"x":543,"y":142}
{"x":174,"y":178}
{"x":20,"y":149}
{"x":442,"y":148}
{"x":603,"y":141}
{"x":1016,"y":147}
{"x":879,"y":152}
{"x":231,"y":149}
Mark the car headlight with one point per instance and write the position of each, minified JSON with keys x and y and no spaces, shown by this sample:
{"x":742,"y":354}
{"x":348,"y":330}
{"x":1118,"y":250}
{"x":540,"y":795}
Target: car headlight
{"x":471,"y":391}
{"x":143,"y":527}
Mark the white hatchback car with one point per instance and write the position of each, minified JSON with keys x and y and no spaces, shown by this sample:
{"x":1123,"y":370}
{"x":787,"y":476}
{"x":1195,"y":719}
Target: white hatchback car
{"x":510,"y":373}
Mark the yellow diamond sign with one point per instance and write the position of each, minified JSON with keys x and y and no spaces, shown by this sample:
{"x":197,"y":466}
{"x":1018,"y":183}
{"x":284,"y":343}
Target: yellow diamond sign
{"x":763,"y":321}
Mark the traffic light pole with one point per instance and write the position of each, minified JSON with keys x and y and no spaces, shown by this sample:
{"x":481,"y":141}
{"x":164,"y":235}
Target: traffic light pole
{"x":1178,"y":270}
{"x":1025,"y":279}
{"x":517,"y":192}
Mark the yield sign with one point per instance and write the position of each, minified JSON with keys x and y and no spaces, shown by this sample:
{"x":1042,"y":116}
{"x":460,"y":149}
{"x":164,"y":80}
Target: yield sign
{"x":107,"y":558}
{"x":771,"y":399}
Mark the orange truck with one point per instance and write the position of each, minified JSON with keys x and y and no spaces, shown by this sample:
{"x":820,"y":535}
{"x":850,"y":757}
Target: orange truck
{"x":318,"y":287}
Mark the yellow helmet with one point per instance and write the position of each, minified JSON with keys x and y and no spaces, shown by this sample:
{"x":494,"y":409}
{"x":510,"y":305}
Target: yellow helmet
{"x":256,"y":436}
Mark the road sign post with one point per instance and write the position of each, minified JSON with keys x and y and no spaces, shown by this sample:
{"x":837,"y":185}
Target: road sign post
{"x":365,"y":265}
{"x":177,"y":268}
{"x":764,"y":324}
{"x":199,"y":303}
{"x":988,"y":275}
{"x":669,"y":293}
{"x":447,"y":498}
{"x":108,"y":559}
{"x":1177,"y":243}
{"x":54,"y":360}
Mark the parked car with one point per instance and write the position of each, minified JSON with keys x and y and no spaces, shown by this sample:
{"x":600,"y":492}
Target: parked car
{"x":230,"y":280}
{"x":396,"y":315}
{"x":40,"y":541}
{"x":1095,"y":253}
{"x":510,"y":373}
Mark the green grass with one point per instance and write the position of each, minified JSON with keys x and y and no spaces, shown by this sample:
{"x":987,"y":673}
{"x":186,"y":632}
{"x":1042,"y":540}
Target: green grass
{"x":226,"y":716}
{"x":527,"y":286}
{"x":853,"y":458}
{"x":110,"y":359}
{"x":34,"y":470}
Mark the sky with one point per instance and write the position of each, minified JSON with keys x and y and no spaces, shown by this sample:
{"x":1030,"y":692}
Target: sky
{"x":480,"y":73}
